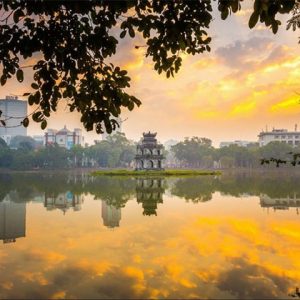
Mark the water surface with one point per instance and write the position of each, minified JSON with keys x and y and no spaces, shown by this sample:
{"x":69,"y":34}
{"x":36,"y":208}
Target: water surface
{"x":74,"y":236}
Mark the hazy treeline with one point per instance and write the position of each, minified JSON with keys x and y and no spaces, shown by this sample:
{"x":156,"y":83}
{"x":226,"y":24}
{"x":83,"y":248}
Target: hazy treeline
{"x":199,"y":153}
{"x":118,"y":191}
{"x":24,"y":153}
{"x":119,"y":152}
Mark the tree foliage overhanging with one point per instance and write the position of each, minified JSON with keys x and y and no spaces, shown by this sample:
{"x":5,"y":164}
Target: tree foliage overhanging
{"x":74,"y":40}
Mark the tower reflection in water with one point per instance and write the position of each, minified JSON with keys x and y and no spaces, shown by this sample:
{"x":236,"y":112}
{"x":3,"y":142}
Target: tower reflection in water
{"x":12,"y":219}
{"x":149,"y":192}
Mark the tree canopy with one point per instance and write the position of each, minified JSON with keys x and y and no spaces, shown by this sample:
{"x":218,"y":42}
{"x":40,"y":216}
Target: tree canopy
{"x":72,"y":42}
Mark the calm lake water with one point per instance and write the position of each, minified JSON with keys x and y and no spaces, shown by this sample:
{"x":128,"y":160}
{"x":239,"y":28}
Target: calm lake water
{"x":74,"y":236}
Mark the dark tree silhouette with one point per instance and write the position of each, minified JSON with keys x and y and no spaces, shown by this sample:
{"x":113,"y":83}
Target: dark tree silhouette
{"x":72,"y":41}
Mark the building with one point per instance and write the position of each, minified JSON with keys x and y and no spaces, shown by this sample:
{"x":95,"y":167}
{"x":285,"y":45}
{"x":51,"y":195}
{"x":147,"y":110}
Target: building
{"x":64,"y":137}
{"x":63,"y":201}
{"x":279,"y":135}
{"x":13,"y":113}
{"x":237,"y":142}
{"x":111,"y":215}
{"x":284,"y":203}
{"x":118,"y":129}
{"x":12,"y":220}
{"x":149,"y":154}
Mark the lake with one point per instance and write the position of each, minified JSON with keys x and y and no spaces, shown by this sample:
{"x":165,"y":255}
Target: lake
{"x":75,"y":236}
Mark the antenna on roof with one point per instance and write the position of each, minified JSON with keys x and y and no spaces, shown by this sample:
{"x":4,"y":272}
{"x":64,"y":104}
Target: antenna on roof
{"x":296,"y":125}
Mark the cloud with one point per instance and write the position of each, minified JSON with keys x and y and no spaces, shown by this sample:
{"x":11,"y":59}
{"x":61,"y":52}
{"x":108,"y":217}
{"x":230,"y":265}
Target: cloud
{"x":247,"y":280}
{"x":291,"y":104}
{"x":243,"y":54}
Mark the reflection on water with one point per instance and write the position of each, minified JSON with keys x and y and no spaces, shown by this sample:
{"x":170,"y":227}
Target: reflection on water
{"x":282,"y":203}
{"x":197,"y":237}
{"x":63,"y":201}
{"x":12,"y":219}
{"x":149,"y":192}
{"x":111,"y":215}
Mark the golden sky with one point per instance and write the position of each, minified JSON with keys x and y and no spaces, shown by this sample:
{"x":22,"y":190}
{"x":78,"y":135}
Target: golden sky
{"x":224,"y":248}
{"x":249,"y":80}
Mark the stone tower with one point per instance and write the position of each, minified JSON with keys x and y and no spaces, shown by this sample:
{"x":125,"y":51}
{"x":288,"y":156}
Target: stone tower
{"x":149,"y":154}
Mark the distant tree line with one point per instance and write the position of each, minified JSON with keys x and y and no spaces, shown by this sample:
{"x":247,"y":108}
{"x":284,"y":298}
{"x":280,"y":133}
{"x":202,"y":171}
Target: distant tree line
{"x":24,"y":154}
{"x":118,"y":191}
{"x":119,"y":152}
{"x":198,"y":152}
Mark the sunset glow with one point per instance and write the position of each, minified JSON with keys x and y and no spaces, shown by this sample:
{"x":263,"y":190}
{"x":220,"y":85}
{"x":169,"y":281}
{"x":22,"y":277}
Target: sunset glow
{"x":250,"y":77}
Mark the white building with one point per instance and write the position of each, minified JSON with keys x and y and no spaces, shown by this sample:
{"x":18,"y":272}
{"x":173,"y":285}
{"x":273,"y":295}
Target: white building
{"x":64,"y":137}
{"x":13,"y":220}
{"x":13,"y":113}
{"x":237,"y":142}
{"x":279,"y":135}
{"x":64,"y":201}
{"x":111,"y":215}
{"x":285,"y":203}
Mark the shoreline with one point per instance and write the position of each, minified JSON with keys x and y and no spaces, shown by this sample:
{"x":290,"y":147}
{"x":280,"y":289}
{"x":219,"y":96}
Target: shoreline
{"x":171,"y":172}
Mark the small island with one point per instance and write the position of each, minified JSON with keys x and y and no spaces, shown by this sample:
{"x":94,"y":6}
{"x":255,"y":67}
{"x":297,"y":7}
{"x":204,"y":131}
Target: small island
{"x":148,"y":161}
{"x":135,"y":173}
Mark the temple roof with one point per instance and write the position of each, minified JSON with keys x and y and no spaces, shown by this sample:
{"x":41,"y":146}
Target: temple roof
{"x":149,"y":134}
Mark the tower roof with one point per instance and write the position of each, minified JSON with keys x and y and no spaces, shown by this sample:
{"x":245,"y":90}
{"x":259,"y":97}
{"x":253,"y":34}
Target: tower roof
{"x":149,"y":134}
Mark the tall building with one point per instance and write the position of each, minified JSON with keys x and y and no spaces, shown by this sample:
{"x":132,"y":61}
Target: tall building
{"x":64,"y":137}
{"x":111,"y":215}
{"x":279,"y":135}
{"x":12,"y":220}
{"x":13,"y":112}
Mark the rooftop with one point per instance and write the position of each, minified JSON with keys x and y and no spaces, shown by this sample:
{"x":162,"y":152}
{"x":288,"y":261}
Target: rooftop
{"x":149,"y":134}
{"x":279,"y":131}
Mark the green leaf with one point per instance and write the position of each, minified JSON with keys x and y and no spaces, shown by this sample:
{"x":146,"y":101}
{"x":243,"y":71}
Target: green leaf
{"x":130,"y":106}
{"x":131,"y":32}
{"x":17,"y":14}
{"x":3,"y":80}
{"x":274,"y":27}
{"x":31,"y":100}
{"x":37,"y":116}
{"x":253,"y":19}
{"x":44,"y":124}
{"x":35,"y":86}
{"x":224,"y":13}
{"x":20,"y":75}
{"x":25,"y":122}
{"x":123,"y":33}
